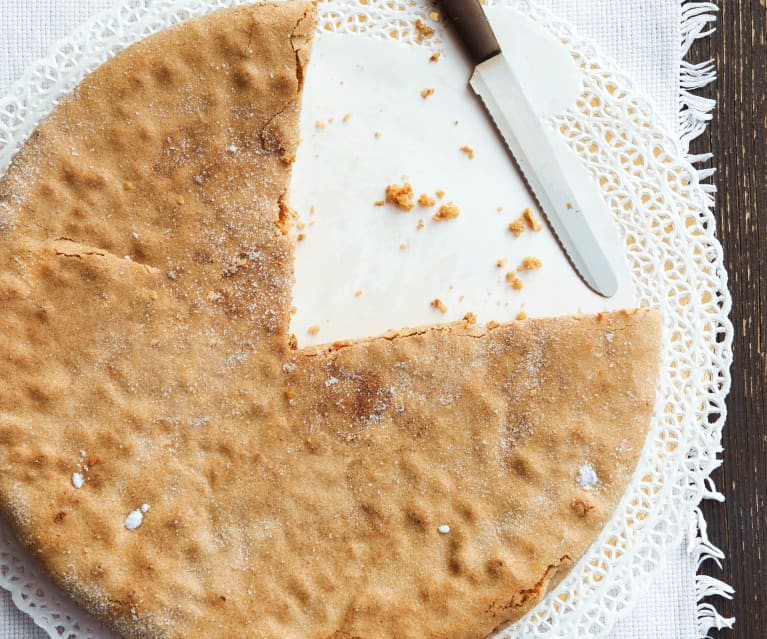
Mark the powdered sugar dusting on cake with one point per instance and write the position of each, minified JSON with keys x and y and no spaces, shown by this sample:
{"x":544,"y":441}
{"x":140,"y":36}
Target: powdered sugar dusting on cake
{"x":587,"y":477}
{"x":78,"y":477}
{"x":135,"y":517}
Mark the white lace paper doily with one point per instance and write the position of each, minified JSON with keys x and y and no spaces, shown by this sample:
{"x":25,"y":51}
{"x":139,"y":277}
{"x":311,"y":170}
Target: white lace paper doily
{"x":663,"y":213}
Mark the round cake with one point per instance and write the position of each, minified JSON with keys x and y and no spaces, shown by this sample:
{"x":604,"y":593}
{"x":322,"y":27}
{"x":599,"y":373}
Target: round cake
{"x":181,"y":468}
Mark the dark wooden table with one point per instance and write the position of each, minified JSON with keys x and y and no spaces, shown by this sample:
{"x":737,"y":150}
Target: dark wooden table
{"x":738,"y":138}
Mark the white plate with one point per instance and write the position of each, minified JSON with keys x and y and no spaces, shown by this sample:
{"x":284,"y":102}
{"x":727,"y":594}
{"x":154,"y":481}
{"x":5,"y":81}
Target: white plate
{"x":343,"y":168}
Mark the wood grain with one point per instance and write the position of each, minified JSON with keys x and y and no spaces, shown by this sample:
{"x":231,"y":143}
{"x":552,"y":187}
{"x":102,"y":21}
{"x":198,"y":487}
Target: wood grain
{"x":738,"y":138}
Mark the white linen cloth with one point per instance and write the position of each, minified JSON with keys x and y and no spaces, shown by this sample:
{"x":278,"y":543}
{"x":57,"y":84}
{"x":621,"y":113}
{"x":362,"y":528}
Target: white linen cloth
{"x":642,"y":36}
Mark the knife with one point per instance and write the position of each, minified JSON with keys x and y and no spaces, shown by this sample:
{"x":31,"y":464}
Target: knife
{"x":503,"y":95}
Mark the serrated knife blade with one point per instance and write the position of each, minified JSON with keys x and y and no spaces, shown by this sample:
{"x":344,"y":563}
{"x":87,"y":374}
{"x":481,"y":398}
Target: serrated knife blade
{"x":526,"y":136}
{"x":495,"y":82}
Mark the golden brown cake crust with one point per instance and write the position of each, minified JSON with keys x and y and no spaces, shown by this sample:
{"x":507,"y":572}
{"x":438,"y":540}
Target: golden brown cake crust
{"x":422,"y":485}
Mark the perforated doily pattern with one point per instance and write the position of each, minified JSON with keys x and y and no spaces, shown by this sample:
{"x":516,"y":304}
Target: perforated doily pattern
{"x":676,"y":261}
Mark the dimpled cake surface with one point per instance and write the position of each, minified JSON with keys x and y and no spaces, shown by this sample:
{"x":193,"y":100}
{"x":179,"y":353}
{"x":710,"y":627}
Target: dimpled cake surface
{"x":183,"y":470}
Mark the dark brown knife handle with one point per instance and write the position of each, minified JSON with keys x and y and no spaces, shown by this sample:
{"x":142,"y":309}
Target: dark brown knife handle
{"x":472,"y":28}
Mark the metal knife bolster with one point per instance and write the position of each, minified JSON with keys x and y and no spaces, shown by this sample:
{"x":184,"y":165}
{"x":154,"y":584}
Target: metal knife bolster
{"x":528,"y":140}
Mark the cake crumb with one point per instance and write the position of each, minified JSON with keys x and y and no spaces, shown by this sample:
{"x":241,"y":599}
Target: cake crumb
{"x":499,"y":209}
{"x":470,"y":318}
{"x":423,"y":30}
{"x":581,"y":507}
{"x":501,"y":263}
{"x":426,"y":200}
{"x":434,"y":15}
{"x":313,"y":330}
{"x":447,"y":211}
{"x":346,"y":118}
{"x":529,"y":264}
{"x":439,"y":305}
{"x":468,"y":151}
{"x":514,"y":281}
{"x":517,"y":227}
{"x":379,"y":203}
{"x":377,"y":135}
{"x":434,"y":57}
{"x":420,"y":224}
{"x":531,"y":220}
{"x":301,"y":237}
{"x":358,"y":293}
{"x":402,"y":246}
{"x":401,"y":195}
{"x":425,"y":93}
{"x":319,"y":124}
{"x":521,"y":315}
{"x":440,"y":194}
